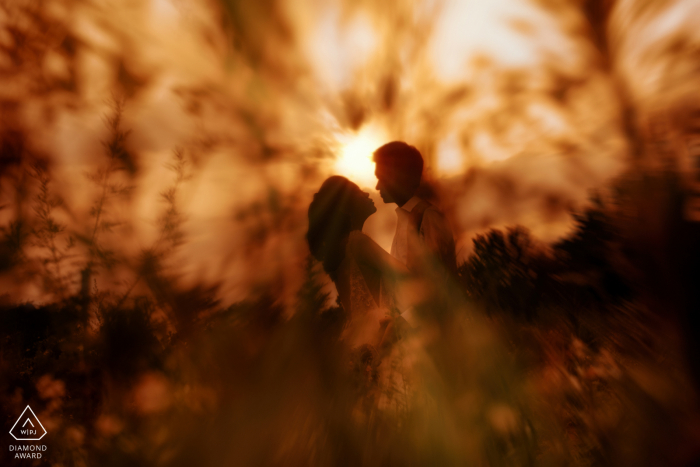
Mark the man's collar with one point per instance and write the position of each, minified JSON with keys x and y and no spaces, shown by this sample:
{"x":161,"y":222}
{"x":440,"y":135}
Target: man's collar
{"x":410,"y":204}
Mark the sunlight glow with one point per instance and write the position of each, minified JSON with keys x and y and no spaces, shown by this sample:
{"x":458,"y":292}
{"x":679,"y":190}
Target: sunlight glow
{"x":338,"y":47}
{"x":355,"y":158}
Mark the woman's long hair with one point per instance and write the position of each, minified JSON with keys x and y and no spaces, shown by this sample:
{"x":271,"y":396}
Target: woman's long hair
{"x":330,"y":215}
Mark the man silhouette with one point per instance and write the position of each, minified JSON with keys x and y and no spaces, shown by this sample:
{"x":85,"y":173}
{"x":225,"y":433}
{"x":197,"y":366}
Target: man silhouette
{"x":423,"y":236}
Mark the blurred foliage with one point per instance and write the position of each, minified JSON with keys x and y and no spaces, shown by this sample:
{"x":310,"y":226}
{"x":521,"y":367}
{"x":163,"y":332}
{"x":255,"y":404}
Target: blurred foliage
{"x":549,"y":355}
{"x":584,"y":352}
{"x":510,"y":272}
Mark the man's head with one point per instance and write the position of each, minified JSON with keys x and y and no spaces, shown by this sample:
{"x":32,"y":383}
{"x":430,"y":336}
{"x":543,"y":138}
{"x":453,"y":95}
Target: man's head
{"x":398,"y":169}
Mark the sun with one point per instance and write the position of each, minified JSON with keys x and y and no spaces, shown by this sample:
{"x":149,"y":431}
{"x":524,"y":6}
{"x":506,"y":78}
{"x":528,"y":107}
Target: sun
{"x":355,"y":159}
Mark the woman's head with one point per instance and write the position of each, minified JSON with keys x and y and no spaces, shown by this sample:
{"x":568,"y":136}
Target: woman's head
{"x":338,"y":208}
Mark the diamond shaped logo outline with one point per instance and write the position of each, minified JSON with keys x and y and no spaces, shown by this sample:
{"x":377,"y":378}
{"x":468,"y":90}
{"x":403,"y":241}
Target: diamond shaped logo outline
{"x":20,"y":418}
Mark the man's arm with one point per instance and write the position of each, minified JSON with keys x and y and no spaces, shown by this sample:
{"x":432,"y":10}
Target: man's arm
{"x":438,"y":239}
{"x":368,"y":252}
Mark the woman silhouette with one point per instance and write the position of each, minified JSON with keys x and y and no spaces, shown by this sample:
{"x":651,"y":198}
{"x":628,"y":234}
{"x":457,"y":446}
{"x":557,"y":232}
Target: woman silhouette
{"x":355,"y":263}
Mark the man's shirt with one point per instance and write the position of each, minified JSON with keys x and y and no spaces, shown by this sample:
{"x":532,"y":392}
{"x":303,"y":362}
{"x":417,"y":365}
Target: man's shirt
{"x":435,"y":235}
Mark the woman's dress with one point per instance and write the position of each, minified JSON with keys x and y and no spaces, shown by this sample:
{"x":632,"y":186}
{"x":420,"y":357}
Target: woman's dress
{"x":377,"y":365}
{"x":363,"y":313}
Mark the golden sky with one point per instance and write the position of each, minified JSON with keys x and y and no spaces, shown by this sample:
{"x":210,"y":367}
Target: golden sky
{"x":508,"y":100}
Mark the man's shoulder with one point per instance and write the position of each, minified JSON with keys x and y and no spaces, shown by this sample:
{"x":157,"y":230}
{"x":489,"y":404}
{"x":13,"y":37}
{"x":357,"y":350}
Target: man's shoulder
{"x":422,"y":206}
{"x":434,"y":219}
{"x":433,"y":212}
{"x":432,"y":208}
{"x":426,"y":215}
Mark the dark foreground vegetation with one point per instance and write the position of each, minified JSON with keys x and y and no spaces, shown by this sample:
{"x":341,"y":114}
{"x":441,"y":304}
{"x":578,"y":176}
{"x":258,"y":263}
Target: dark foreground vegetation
{"x":579,"y":353}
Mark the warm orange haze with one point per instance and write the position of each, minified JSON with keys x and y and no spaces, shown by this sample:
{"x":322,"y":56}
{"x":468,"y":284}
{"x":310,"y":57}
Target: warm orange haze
{"x":159,"y":300}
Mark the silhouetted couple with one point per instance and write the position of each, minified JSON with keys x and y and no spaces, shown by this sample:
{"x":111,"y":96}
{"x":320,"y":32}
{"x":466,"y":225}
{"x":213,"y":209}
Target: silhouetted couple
{"x":365,"y":275}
